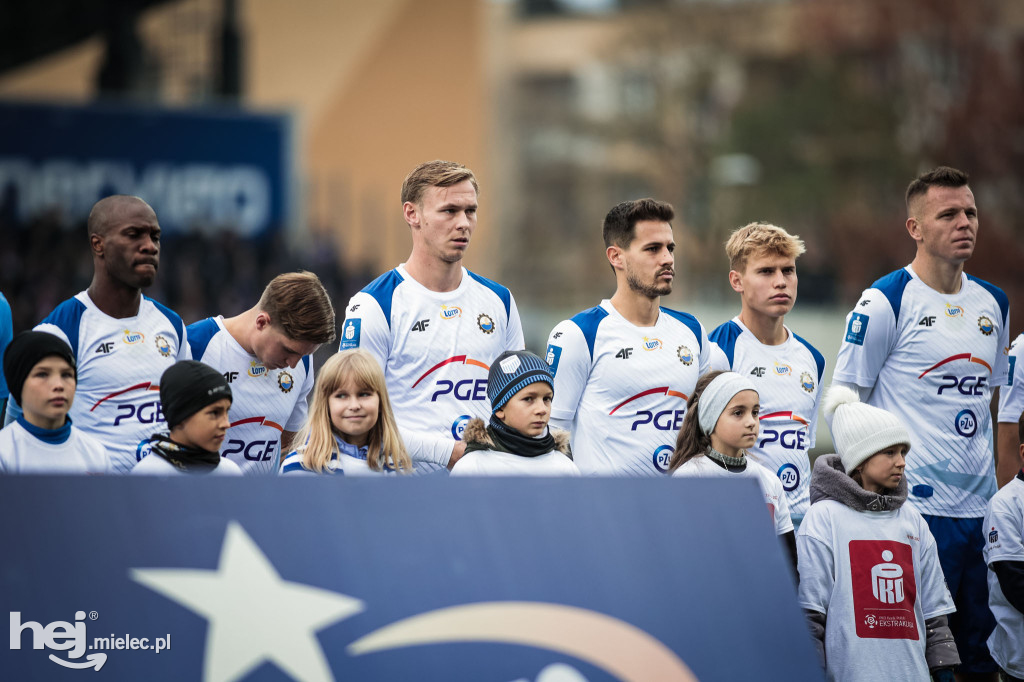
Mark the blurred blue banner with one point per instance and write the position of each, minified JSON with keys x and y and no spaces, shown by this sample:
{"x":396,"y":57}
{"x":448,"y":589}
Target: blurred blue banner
{"x":416,"y":579}
{"x":197,"y":168}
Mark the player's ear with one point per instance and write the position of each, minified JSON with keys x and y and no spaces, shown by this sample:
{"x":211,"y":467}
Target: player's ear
{"x":411,"y":213}
{"x":735,"y":281}
{"x":914,"y":228}
{"x":263,"y":320}
{"x":614,"y":254}
{"x":96,"y":244}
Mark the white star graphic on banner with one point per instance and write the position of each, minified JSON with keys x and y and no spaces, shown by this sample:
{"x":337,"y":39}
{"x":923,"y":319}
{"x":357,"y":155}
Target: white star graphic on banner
{"x":254,"y":615}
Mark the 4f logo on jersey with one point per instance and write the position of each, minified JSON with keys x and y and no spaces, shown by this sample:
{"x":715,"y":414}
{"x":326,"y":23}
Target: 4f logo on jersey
{"x":485,"y":323}
{"x":954,"y":311}
{"x":163,"y":346}
{"x":927,"y":321}
{"x":230,"y":376}
{"x":131,"y":338}
{"x":257,"y":369}
{"x":624,"y":353}
{"x":685,"y":355}
{"x":865,"y":302}
{"x":985,"y":325}
{"x":758,"y":371}
{"x":450,"y":312}
{"x":105,"y":348}
{"x":285,"y":382}
{"x":652,"y":344}
{"x":421,"y":325}
{"x":557,"y":334}
{"x":355,"y":307}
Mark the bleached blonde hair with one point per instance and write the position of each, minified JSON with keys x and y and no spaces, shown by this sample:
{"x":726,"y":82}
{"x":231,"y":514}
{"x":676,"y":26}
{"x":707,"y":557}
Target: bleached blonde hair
{"x":384,"y":445}
{"x":761,"y":239}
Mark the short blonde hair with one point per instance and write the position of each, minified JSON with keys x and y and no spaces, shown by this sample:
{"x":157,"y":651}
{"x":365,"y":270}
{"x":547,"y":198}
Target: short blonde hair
{"x":435,"y":174}
{"x":757,"y":239}
{"x":316,"y":438}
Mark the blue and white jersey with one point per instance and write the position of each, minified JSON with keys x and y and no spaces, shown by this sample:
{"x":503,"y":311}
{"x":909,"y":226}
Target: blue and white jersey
{"x":788,"y":380}
{"x":264,"y":403}
{"x":347,"y":460}
{"x":436,"y":349}
{"x":622,"y":389}
{"x":932,"y":359}
{"x":28,"y":449}
{"x":1011,"y":394}
{"x":120,"y":362}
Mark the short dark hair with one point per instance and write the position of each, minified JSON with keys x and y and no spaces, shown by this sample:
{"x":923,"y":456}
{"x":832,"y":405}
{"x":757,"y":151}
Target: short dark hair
{"x":620,"y":223}
{"x":943,"y":176}
{"x":299,"y":306}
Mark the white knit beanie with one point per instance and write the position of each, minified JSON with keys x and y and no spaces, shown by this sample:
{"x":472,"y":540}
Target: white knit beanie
{"x":860,"y":430}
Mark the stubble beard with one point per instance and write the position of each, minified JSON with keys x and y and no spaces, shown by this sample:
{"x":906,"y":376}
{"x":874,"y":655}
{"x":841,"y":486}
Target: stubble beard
{"x":649,"y":290}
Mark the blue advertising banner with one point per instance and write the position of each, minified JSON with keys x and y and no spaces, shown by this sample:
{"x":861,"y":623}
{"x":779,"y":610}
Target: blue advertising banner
{"x":196,"y":168}
{"x":417,"y":579}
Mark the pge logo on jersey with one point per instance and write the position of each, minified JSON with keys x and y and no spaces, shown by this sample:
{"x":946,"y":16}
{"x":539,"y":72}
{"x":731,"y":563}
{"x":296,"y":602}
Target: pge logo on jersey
{"x":662,"y":420}
{"x":960,"y":384}
{"x":460,"y":389}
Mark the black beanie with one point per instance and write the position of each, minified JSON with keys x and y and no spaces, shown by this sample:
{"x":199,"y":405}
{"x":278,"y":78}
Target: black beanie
{"x":27,"y":349}
{"x":187,"y":387}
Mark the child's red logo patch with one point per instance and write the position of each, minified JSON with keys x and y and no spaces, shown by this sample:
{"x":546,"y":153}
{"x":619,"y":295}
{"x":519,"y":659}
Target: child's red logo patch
{"x":884,"y":591}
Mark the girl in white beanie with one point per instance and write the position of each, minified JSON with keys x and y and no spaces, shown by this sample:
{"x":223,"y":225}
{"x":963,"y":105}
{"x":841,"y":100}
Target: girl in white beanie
{"x":721,"y":423}
{"x":870,"y":579}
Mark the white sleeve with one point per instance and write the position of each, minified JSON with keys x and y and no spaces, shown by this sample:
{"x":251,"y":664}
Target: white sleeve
{"x":469,"y":465}
{"x":812,"y":429}
{"x":569,"y":358}
{"x":298,"y":416}
{"x":1011,"y":394}
{"x":783,"y":520}
{"x":514,"y":329}
{"x":1001,"y":367}
{"x":704,"y":361}
{"x":366,"y":327}
{"x":1006,"y":523}
{"x":936,"y":598}
{"x":868,"y":340}
{"x":719,"y":361}
{"x":815,"y":565}
{"x":184,"y":350}
{"x":427,"y":447}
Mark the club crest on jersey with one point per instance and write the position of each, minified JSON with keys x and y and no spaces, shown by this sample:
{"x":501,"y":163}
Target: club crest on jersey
{"x":486,"y":324}
{"x":985,"y":325}
{"x":257,"y":369}
{"x":651,"y":344}
{"x":807,"y":382}
{"x":954,"y":311}
{"x":131,"y":338}
{"x":163,"y":345}
{"x":285,"y":382}
{"x":782,"y":369}
{"x":685,"y":355}
{"x":450,"y":312}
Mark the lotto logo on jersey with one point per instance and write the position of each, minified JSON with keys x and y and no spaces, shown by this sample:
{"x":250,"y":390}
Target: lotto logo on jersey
{"x":552,"y":356}
{"x":131,"y":338}
{"x":450,"y":312}
{"x":350,"y":334}
{"x":662,"y":420}
{"x":782,"y":369}
{"x":954,"y":311}
{"x":651,"y":344}
{"x":856,"y":329}
{"x":257,"y":369}
{"x":884,"y":589}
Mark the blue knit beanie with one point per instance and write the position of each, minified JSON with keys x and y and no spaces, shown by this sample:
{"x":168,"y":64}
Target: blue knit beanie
{"x":513,"y":371}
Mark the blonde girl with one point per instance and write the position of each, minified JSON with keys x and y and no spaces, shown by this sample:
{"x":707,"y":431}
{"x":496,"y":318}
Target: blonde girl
{"x":351,"y":428}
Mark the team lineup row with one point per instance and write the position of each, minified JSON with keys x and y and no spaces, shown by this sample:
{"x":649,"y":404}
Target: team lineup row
{"x":927,"y":343}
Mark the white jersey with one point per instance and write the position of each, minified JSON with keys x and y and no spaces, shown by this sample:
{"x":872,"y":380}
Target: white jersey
{"x":264,"y":403}
{"x":1011,"y":394}
{"x":622,"y":388}
{"x":788,"y":380}
{"x":120,"y":362}
{"x":27,"y":449}
{"x":771,"y":487}
{"x":877,"y":577}
{"x":497,"y":463}
{"x":436,"y":349}
{"x":347,"y":460}
{"x":1004,"y":527}
{"x":932,"y":359}
{"x":155,"y":465}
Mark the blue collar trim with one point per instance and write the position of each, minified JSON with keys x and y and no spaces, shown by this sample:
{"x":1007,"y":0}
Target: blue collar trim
{"x":51,"y":436}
